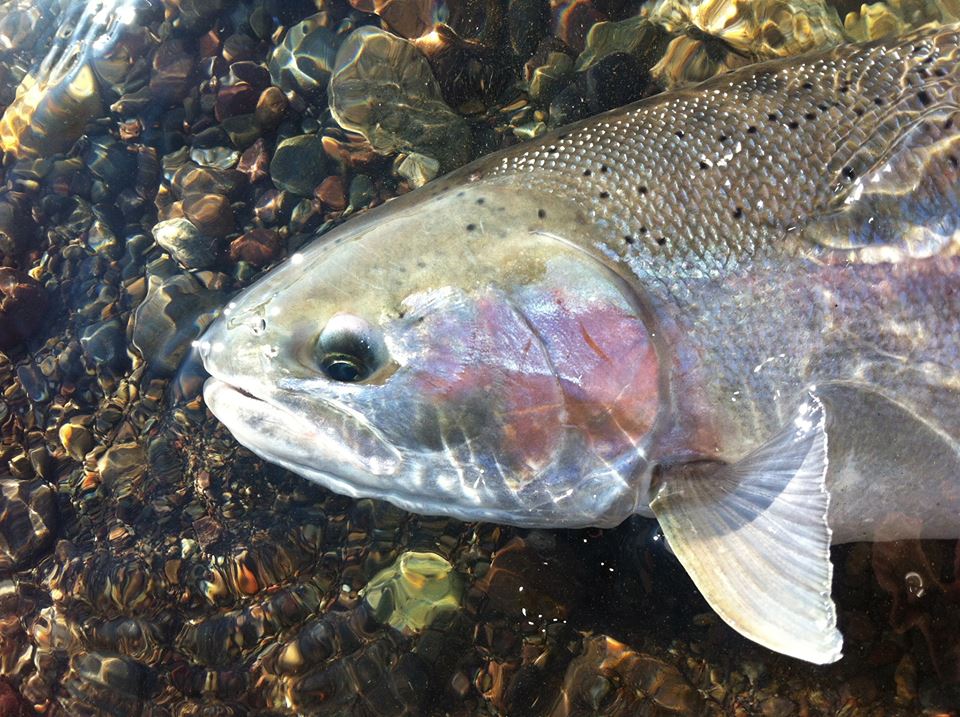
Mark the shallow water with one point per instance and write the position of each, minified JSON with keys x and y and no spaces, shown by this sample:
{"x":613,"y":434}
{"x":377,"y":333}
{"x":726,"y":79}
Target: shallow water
{"x":159,"y":157}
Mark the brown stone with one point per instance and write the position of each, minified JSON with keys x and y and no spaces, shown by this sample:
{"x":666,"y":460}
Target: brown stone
{"x":354,"y":151}
{"x":255,"y":161}
{"x":233,"y":100}
{"x":257,"y":246}
{"x":210,"y":213}
{"x":270,"y":107}
{"x":172,"y":74}
{"x":332,"y":193}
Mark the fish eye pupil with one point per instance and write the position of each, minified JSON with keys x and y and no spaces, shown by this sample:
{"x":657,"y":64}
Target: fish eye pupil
{"x":343,"y":368}
{"x":349,"y":349}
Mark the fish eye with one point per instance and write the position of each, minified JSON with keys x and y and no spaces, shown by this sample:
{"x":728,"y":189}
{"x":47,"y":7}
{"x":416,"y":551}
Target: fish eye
{"x":349,"y":350}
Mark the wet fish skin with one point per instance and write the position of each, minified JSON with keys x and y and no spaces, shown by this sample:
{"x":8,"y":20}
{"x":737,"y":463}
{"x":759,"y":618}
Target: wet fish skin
{"x":735,"y":304}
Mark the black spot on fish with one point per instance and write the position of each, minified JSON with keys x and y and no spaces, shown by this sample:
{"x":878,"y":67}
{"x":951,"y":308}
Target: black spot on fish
{"x":642,"y":189}
{"x":552,"y":149}
{"x":844,"y":88}
{"x":810,"y":116}
{"x":662,"y":241}
{"x":949,"y":123}
{"x":480,"y":200}
{"x":848,"y":173}
{"x":808,"y":85}
{"x":940,"y":72}
{"x":421,"y":264}
{"x":793,"y":124}
{"x":773,"y":116}
{"x":471,"y":227}
{"x":738,"y":212}
{"x":604,"y":195}
{"x":628,"y":239}
{"x":587,"y":173}
{"x":703,"y":165}
{"x":953,"y":161}
{"x":822,"y":108}
{"x":751,"y":130}
{"x":643,"y":230}
{"x":924,"y":98}
{"x":604,"y":168}
{"x":541,"y":213}
{"x":878,"y":101}
{"x":679,"y":133}
{"x":858,"y":111}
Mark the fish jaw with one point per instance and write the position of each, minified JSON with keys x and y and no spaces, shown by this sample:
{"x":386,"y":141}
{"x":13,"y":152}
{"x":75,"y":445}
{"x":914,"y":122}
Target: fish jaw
{"x":320,"y":446}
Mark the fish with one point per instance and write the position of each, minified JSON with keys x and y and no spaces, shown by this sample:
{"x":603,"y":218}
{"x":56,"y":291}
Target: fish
{"x":733,"y":307}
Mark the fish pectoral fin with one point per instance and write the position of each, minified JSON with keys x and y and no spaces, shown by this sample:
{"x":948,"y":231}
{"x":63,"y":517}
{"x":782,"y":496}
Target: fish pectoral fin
{"x":753,"y":536}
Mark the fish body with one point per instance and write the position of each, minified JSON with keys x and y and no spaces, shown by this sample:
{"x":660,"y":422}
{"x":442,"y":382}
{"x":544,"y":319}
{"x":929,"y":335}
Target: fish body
{"x":733,"y":306}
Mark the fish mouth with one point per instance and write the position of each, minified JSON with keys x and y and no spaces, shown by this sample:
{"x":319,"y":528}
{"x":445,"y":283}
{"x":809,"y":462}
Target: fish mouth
{"x":330,"y":447}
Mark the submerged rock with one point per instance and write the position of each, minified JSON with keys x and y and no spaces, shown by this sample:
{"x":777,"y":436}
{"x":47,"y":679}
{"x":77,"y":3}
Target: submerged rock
{"x":210,"y":214}
{"x":76,"y":439}
{"x":418,"y":168}
{"x":28,"y":518}
{"x":173,"y":314}
{"x":55,"y":101}
{"x":410,"y":594}
{"x":257,"y":246}
{"x":383,"y":88}
{"x":893,"y":17}
{"x":183,"y":241}
{"x":636,"y":36}
{"x":299,"y":164}
{"x":271,"y":107}
{"x":609,"y":678}
{"x":104,"y":343}
{"x":714,"y":36}
{"x":407,"y":18}
{"x":776,"y":28}
{"x":22,"y":306}
{"x":17,"y":228}
{"x":303,"y":60}
{"x":689,"y":59}
{"x":19,"y":25}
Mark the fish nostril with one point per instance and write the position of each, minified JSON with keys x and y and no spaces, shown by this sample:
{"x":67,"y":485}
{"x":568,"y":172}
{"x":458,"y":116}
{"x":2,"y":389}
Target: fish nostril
{"x":257,"y":325}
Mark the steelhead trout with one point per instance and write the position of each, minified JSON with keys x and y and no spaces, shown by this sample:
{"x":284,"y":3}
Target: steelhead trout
{"x":735,"y":307}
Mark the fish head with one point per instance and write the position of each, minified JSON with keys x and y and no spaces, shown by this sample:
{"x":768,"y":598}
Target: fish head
{"x":453,"y":354}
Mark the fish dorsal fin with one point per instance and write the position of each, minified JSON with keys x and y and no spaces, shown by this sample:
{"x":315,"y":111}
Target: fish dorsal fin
{"x":753,"y":536}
